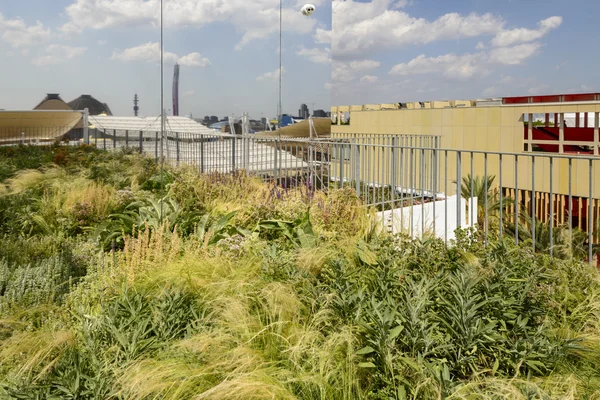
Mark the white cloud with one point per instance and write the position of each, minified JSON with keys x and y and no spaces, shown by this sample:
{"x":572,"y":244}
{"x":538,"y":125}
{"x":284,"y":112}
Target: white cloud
{"x":322,"y":36}
{"x":499,"y":86}
{"x":449,"y":65}
{"x":316,"y":55}
{"x":466,"y":66}
{"x":349,"y":71}
{"x":17,"y":33}
{"x":369,"y":78}
{"x":58,"y":54}
{"x":194,"y":60}
{"x":102,"y":42}
{"x":514,"y":55}
{"x":254,"y":19}
{"x":150,"y":52}
{"x":189,"y":93}
{"x":271,"y":76}
{"x":510,"y":37}
{"x":480,"y":46}
{"x":362,"y":27}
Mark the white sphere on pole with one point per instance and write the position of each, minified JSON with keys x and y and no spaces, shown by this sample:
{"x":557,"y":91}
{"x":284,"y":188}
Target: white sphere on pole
{"x":308,"y":9}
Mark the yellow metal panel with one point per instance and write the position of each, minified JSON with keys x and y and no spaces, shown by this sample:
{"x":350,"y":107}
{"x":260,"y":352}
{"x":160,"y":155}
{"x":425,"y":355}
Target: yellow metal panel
{"x":457,"y":137}
{"x":481,"y":117}
{"x":587,"y":107}
{"x":480,"y":138}
{"x":493,"y":116}
{"x":507,"y":116}
{"x":470,"y":117}
{"x":459,"y":116}
{"x":534,"y":110}
{"x":447,"y":117}
{"x":469,"y":138}
{"x":436,"y":117}
{"x":568,"y":109}
{"x":493,"y":138}
{"x":417,"y":117}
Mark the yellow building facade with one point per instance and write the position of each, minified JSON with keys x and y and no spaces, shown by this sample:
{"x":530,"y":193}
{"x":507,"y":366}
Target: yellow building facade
{"x":473,"y":134}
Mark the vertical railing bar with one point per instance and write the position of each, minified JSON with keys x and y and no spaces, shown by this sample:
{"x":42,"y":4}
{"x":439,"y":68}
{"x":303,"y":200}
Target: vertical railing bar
{"x":423,"y":191}
{"x":533,"y":208}
{"x":446,"y":197}
{"x":551,"y":217}
{"x":590,"y":216}
{"x":458,"y":189}
{"x":517,"y":204}
{"x":485,"y":205}
{"x":571,"y":205}
{"x":501,"y":226}
{"x":471,"y":207}
{"x":412,"y":191}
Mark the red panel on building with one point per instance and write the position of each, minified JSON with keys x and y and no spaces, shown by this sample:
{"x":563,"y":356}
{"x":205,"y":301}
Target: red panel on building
{"x":554,"y":98}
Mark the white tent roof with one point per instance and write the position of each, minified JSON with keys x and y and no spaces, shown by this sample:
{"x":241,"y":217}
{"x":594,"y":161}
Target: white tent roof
{"x":149,"y":124}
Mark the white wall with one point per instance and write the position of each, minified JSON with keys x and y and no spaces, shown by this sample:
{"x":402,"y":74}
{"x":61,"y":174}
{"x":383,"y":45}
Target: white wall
{"x":422,"y":217}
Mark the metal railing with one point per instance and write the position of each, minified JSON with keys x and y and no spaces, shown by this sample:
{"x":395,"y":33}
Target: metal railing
{"x":417,"y":187}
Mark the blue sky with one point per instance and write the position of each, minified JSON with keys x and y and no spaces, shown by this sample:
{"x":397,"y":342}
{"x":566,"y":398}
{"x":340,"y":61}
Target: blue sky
{"x":228,"y":51}
{"x":419,"y":50}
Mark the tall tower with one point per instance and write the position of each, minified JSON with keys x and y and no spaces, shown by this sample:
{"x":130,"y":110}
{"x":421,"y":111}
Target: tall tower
{"x":135,"y":105}
{"x":176,"y":91}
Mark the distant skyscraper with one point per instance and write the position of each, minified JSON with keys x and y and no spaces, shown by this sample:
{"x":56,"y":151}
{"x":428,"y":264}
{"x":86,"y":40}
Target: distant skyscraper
{"x":214,"y":119}
{"x":319,"y":114}
{"x":136,"y":109}
{"x":303,"y":112}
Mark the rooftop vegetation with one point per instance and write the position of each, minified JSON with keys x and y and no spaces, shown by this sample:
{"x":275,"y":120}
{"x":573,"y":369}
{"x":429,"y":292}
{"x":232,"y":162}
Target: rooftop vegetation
{"x":248,"y":291}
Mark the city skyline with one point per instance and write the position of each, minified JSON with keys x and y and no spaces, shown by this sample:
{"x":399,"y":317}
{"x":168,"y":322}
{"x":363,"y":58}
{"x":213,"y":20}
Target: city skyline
{"x":348,"y":52}
{"x":228,"y":53}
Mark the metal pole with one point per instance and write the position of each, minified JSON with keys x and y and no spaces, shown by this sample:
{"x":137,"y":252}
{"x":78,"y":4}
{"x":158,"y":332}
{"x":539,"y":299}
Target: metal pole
{"x":162,"y":111}
{"x":86,"y":132}
{"x":279,"y":108}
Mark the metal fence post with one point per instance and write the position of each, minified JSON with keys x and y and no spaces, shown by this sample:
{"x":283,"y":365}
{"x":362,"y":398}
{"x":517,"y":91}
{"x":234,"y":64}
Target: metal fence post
{"x":114,"y":138}
{"x":202,"y":155}
{"x":275,"y":147}
{"x":342,"y":155}
{"x":126,"y":138}
{"x":177,"y":146}
{"x":356,"y":153}
{"x":141,"y":141}
{"x":156,"y":145}
{"x":233,"y":154}
{"x":86,"y":132}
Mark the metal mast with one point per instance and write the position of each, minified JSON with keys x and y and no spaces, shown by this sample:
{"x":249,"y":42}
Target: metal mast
{"x":162,"y":110}
{"x":136,"y":109}
{"x":279,"y":110}
{"x":176,"y":90}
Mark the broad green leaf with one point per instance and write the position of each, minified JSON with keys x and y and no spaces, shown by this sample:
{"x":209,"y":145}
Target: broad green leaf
{"x":367,"y":365}
{"x":395,"y":332}
{"x":365,"y":350}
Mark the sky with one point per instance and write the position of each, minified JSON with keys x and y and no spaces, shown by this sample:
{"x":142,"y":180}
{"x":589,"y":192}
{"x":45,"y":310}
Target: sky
{"x":348,"y":52}
{"x":228,"y":51}
{"x":387,"y":51}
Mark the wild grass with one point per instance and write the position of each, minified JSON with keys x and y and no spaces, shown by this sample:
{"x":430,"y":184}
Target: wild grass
{"x":244,"y":290}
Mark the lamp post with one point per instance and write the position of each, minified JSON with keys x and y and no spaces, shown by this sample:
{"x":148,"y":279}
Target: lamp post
{"x":162,"y":111}
{"x":279,"y":108}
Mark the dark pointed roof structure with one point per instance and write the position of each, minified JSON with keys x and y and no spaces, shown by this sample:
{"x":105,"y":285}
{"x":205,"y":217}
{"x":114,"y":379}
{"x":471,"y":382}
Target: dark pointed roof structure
{"x":52,"y":101}
{"x":94,"y":106}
